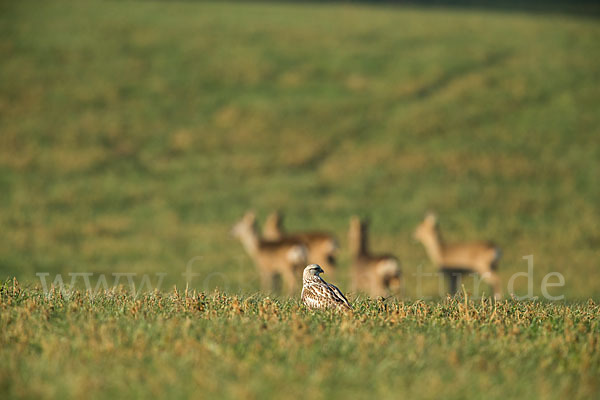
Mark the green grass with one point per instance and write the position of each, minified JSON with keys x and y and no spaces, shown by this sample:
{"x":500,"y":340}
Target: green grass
{"x":133,"y":135}
{"x":216,"y":346}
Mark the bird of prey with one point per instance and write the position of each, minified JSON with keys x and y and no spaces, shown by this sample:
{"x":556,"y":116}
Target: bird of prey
{"x":316,"y":293}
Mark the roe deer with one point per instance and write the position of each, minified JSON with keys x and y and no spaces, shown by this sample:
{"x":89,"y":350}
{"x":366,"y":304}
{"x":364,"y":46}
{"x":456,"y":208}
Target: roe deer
{"x":321,"y":246}
{"x":377,"y":275}
{"x":457,"y":259}
{"x":284,"y":257}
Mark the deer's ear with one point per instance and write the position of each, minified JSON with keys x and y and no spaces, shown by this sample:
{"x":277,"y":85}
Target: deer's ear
{"x":275,"y":217}
{"x":431,"y":218}
{"x":250,"y":216}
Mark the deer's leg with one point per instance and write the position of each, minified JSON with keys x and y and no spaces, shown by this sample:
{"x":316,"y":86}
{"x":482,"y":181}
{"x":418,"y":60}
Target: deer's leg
{"x":354,"y":283}
{"x":266,"y":280}
{"x":289,"y":279}
{"x":331,"y":260}
{"x":492,"y":279}
{"x":453,"y":281}
{"x":382,"y":289}
{"x":394,"y":286}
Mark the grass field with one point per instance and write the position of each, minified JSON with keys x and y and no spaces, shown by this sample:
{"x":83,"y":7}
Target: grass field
{"x":134,"y":134}
{"x":206,"y":346}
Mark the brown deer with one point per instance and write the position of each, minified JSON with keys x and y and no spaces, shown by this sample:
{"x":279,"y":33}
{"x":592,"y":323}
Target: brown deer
{"x":321,"y":246}
{"x":376,"y":275}
{"x":461,"y":258}
{"x":284,"y":257}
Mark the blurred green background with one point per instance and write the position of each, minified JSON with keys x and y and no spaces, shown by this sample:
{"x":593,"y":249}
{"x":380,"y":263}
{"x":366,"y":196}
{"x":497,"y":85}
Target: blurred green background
{"x":134,"y":134}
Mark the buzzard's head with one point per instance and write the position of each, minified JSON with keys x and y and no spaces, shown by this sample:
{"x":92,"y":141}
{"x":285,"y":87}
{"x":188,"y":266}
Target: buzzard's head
{"x":313,"y":270}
